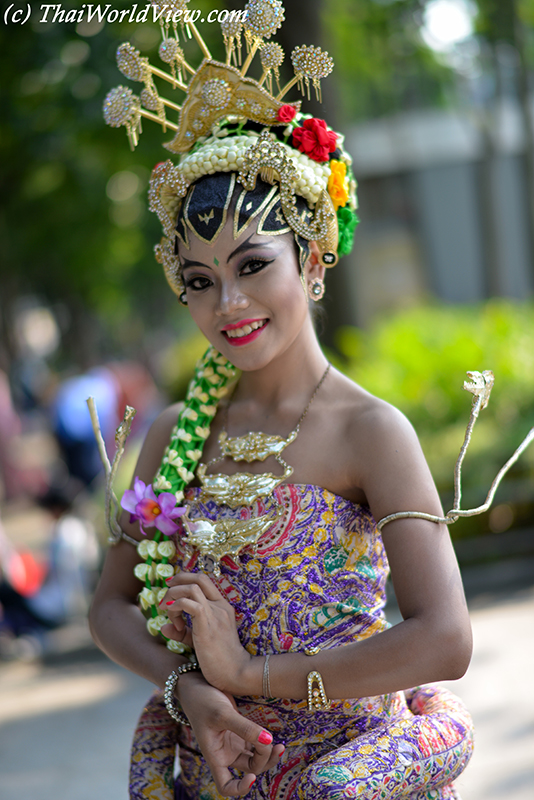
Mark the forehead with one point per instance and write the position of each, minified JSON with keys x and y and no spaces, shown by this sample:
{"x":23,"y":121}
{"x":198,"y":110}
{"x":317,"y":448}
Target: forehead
{"x":218,"y":202}
{"x":226,"y":248}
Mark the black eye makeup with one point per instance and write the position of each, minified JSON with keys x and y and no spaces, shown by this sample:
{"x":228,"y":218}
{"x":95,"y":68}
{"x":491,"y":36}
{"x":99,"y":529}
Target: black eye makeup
{"x":197,"y":283}
{"x":252,"y":265}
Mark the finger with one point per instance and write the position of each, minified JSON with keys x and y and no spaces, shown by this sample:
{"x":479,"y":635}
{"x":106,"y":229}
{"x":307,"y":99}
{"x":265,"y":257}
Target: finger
{"x":185,"y":605}
{"x":227,"y":785}
{"x":252,"y":760}
{"x":170,"y":632}
{"x":258,"y":738}
{"x":192,"y":591}
{"x":199,"y":579}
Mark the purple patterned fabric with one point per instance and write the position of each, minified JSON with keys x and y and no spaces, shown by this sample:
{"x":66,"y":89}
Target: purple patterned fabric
{"x":317,"y":578}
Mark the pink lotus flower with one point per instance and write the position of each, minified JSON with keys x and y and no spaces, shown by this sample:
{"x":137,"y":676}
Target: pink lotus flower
{"x":151,"y":510}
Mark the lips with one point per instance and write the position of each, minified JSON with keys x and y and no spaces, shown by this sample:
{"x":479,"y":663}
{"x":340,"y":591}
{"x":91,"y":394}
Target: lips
{"x":245,"y":331}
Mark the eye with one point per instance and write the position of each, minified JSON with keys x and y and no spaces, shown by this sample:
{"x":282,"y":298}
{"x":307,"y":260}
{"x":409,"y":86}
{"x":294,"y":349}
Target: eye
{"x":198,"y":283}
{"x":254,"y":265}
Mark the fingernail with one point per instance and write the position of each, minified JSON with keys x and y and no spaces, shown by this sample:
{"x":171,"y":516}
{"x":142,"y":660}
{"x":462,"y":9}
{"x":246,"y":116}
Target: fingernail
{"x":283,"y":750}
{"x":265,"y":737}
{"x":169,"y":602}
{"x":253,"y":780}
{"x":169,"y":579}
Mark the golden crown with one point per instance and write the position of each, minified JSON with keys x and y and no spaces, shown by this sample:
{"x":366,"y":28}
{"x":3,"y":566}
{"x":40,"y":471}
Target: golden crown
{"x":209,"y":124}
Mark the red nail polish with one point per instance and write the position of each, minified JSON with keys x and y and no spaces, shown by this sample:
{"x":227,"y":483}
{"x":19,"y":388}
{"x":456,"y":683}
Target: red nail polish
{"x":169,"y":579}
{"x":265,"y":737}
{"x":169,"y":602}
{"x":253,"y":780}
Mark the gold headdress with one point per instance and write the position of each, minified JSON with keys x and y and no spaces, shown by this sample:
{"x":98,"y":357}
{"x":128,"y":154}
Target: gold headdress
{"x":212,"y":134}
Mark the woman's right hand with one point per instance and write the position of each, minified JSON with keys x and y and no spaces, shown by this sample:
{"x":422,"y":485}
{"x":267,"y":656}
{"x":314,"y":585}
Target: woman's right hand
{"x":225,"y":737}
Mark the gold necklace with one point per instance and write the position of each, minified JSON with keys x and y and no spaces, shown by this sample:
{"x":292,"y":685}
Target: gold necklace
{"x":215,"y":539}
{"x":243,"y":488}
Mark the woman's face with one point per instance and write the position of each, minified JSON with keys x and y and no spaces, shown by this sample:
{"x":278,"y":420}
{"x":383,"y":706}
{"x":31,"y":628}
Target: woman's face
{"x":246,"y":295}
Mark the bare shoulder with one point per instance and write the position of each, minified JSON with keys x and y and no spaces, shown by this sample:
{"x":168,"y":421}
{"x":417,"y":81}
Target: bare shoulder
{"x":367,"y":418}
{"x":381,"y":452}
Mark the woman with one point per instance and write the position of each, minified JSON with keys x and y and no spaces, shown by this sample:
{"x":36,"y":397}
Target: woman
{"x":296,"y":688}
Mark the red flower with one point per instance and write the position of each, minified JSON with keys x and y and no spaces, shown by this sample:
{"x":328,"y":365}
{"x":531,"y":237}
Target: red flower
{"x":286,"y":113}
{"x":314,"y":139}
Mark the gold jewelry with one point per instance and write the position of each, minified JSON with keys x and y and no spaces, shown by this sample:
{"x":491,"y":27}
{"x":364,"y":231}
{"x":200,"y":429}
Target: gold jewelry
{"x":211,"y":133}
{"x":170,"y":687}
{"x":266,"y":683}
{"x":316,"y":289}
{"x":243,"y":488}
{"x":317,"y":699}
{"x":216,"y":539}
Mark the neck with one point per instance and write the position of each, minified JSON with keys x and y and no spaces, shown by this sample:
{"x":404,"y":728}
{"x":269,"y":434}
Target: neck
{"x":287,"y":380}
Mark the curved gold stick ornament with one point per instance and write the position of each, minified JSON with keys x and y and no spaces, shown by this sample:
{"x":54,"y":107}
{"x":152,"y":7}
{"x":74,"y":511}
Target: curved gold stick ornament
{"x":112,"y":507}
{"x":480,"y":385}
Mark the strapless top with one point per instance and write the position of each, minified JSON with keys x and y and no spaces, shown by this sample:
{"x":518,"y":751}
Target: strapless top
{"x":316,"y":577}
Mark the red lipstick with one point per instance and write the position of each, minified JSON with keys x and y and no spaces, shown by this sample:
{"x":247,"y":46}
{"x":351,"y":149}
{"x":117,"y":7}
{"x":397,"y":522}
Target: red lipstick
{"x":240,"y":324}
{"x":237,"y":341}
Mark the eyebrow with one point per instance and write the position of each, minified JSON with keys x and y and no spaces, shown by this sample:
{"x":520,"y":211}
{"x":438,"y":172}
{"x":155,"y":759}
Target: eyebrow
{"x":246,"y":245}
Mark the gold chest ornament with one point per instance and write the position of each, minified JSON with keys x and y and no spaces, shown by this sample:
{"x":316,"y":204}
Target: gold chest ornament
{"x":217,"y":538}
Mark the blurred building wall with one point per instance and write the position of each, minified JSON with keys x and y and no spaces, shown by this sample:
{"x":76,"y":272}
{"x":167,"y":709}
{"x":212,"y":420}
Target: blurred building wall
{"x":442,"y":213}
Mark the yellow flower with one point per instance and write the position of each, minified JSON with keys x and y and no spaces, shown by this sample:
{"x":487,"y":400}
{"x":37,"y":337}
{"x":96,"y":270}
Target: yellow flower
{"x":146,"y":598}
{"x":185,"y":474}
{"x":338,"y":185}
{"x":218,"y":393}
{"x":155,"y":624}
{"x":194,"y":455}
{"x":161,"y":484}
{"x":166,"y":549}
{"x":144,"y":571}
{"x":176,"y":647}
{"x":160,"y":594}
{"x":174,"y":459}
{"x":164,"y":570}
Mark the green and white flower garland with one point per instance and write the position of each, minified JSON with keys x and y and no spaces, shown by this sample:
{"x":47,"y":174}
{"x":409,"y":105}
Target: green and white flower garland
{"x":210,"y":383}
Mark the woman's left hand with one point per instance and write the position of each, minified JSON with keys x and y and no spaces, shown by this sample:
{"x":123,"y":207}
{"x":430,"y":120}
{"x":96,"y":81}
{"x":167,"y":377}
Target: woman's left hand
{"x":213,"y":635}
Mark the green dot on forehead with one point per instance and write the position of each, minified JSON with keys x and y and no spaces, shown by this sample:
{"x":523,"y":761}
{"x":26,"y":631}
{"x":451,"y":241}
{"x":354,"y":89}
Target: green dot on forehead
{"x":216,"y":261}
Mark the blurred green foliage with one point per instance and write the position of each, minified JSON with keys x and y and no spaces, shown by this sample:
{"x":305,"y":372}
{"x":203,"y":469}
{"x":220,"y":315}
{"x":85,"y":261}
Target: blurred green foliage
{"x":74,"y":227}
{"x":382,"y":63}
{"x":417,"y":360}
{"x":75,"y":230}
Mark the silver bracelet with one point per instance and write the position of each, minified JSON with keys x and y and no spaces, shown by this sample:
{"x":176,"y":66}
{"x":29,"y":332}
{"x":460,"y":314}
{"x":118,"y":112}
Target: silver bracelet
{"x":168,"y":692}
{"x":266,"y":678}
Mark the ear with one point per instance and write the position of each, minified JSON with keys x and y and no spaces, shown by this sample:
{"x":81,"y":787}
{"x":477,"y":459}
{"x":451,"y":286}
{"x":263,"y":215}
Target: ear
{"x":314,"y":268}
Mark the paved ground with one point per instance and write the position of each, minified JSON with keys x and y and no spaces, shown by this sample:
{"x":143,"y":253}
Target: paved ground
{"x":65,"y":724}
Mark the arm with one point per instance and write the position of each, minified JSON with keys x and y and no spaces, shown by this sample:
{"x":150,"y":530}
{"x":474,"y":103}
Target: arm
{"x":118,"y":627}
{"x":434,"y":640}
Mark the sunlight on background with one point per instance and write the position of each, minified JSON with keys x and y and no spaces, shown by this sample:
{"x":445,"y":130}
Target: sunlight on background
{"x":447,"y":22}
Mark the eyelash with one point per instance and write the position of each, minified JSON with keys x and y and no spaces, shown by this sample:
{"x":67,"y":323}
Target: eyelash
{"x":190,"y":284}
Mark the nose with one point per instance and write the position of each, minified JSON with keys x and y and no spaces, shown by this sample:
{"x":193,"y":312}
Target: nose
{"x":231,"y":298}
